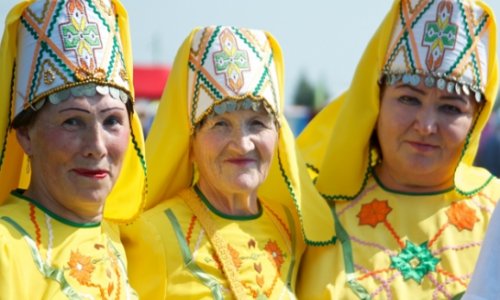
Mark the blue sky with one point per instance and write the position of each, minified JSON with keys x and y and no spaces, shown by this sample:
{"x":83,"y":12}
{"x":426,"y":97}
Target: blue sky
{"x":322,"y":38}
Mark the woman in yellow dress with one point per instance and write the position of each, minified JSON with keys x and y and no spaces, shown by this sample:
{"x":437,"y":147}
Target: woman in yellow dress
{"x":393,"y":157}
{"x":67,"y":130}
{"x":231,"y":204}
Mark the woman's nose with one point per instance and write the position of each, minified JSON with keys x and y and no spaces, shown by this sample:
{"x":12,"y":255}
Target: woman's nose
{"x":95,"y":142}
{"x":241,"y":140}
{"x":426,"y":121}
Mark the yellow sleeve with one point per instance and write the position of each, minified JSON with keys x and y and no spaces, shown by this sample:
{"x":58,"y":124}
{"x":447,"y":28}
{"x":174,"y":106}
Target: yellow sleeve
{"x":316,"y":273}
{"x":15,"y":270}
{"x":6,"y":276}
{"x":145,"y":252}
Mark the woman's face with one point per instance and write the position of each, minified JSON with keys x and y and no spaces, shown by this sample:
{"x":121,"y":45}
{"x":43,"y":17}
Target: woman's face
{"x":233,"y":151}
{"x":76,"y":149}
{"x":422,"y":132}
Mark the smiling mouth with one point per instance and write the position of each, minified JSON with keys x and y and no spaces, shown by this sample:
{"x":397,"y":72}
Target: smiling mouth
{"x":96,"y":174}
{"x":241,"y":161}
{"x":423,"y":147}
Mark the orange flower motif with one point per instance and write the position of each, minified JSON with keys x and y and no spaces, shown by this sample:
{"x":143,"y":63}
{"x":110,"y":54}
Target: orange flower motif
{"x":75,"y":4}
{"x":111,"y":287}
{"x":374,"y":212}
{"x":235,"y":256}
{"x":462,"y":216}
{"x":273,"y":249}
{"x":257,"y":267}
{"x":81,"y":267}
{"x":260,"y":280}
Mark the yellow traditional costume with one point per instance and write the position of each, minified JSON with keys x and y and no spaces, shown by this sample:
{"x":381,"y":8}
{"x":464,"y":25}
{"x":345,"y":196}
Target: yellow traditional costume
{"x":391,"y":244}
{"x":51,"y":50}
{"x":183,"y":247}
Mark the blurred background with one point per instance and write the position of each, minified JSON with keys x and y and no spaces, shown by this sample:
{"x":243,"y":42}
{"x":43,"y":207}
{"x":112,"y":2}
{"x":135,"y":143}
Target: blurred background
{"x":322,"y":42}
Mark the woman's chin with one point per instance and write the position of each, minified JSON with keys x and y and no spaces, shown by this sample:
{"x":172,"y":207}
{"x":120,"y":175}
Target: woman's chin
{"x":244,"y":184}
{"x":93,"y":196}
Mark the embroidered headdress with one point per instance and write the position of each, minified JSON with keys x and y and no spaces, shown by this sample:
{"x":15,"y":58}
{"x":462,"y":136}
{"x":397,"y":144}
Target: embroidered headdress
{"x":444,"y":43}
{"x":231,"y":68}
{"x":52,"y":49}
{"x":67,"y":44}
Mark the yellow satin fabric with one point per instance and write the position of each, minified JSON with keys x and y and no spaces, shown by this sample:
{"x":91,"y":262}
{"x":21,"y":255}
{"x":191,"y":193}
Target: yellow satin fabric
{"x":337,"y":141}
{"x":127,"y":197}
{"x":89,"y":258}
{"x":170,"y":169}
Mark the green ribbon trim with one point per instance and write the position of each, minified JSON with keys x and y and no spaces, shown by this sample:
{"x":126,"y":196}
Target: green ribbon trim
{"x":293,"y":236}
{"x":208,"y":280}
{"x":46,"y":270}
{"x":343,"y":237}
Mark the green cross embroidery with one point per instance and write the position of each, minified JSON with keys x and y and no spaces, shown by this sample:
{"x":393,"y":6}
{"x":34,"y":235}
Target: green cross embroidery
{"x":231,"y":61}
{"x":440,"y":35}
{"x":80,"y":36}
{"x":414,"y":261}
{"x":224,"y":59}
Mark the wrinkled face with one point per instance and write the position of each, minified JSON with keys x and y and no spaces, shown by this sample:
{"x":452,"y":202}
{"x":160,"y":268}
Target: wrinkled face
{"x":76,"y":149}
{"x":422,"y":132}
{"x":233,"y":151}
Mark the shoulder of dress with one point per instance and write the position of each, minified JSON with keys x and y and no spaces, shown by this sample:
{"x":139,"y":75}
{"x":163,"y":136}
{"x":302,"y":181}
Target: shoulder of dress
{"x":491,"y":190}
{"x":155,"y":218}
{"x":175,"y":204}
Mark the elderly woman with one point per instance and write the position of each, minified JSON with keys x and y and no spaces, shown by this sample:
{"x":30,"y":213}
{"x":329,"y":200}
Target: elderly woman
{"x":224,"y":177}
{"x":394,"y":154}
{"x":66,"y":95}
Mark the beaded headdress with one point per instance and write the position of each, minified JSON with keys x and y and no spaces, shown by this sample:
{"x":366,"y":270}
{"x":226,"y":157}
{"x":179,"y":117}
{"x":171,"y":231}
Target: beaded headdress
{"x":230,"y":69}
{"x":444,"y":43}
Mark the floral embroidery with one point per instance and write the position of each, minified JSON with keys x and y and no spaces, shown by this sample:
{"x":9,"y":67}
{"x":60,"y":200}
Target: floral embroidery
{"x":260,"y":280}
{"x":75,"y":4}
{"x":81,"y":267}
{"x":272,"y":248}
{"x":111,"y":287}
{"x":235,"y":256}
{"x":414,"y":262}
{"x":257,"y":267}
{"x":462,"y":216}
{"x":374,"y":212}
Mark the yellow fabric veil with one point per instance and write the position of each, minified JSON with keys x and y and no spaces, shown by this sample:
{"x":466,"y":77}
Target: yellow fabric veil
{"x":336,"y":143}
{"x":170,"y":169}
{"x":127,"y":197}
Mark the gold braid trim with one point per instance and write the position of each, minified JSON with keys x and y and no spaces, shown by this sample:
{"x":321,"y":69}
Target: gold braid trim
{"x":220,"y":246}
